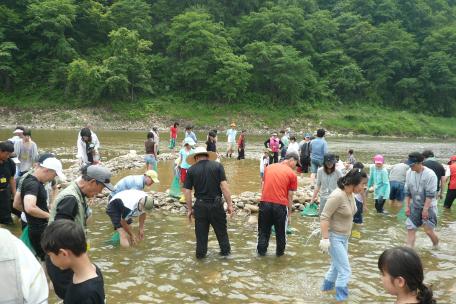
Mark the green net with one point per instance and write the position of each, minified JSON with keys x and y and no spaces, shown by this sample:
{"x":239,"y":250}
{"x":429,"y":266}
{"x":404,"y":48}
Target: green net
{"x":175,"y":189}
{"x":289,"y":230}
{"x":401,"y":216}
{"x":310,"y":210}
{"x":25,"y":238}
{"x":114,"y":240}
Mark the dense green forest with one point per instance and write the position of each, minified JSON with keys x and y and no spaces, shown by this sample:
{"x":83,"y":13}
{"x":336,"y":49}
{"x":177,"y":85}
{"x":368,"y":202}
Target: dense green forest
{"x":396,"y":53}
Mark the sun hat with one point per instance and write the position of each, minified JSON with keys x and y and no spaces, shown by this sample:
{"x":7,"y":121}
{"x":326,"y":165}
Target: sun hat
{"x":54,"y":164}
{"x":329,"y":158}
{"x":200,"y":151}
{"x":414,"y":158}
{"x":153,"y":175}
{"x":189,"y":141}
{"x":379,"y":159}
{"x":452,"y":159}
{"x":233,"y":125}
{"x":307,"y":135}
{"x":100,"y":174}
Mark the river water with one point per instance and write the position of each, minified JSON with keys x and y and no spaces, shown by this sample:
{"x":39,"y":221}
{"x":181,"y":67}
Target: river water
{"x":162,"y":269}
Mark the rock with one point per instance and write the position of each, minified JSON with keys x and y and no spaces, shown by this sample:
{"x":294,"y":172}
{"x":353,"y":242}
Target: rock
{"x":252,"y":220}
{"x":252,"y":208}
{"x":183,"y":210}
{"x":170,"y":200}
{"x":240,"y":205}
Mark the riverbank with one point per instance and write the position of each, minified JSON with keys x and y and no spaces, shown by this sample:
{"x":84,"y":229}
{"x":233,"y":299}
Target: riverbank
{"x":48,"y":112}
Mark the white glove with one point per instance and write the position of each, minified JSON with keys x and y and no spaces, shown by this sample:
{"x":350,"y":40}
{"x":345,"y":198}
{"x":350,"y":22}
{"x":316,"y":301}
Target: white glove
{"x":324,"y":245}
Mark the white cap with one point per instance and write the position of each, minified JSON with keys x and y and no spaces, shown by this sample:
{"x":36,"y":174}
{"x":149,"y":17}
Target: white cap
{"x":18,"y":131}
{"x":54,"y":164}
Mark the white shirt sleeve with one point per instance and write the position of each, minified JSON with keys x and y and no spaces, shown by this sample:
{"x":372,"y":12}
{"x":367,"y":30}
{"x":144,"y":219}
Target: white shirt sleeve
{"x":447,"y":171}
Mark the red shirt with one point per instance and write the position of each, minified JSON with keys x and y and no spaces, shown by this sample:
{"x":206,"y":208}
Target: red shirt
{"x":173,"y":131}
{"x":278,"y":180}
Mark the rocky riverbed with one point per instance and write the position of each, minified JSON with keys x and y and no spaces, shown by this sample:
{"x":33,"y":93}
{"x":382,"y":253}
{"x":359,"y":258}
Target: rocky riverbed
{"x":246,"y":203}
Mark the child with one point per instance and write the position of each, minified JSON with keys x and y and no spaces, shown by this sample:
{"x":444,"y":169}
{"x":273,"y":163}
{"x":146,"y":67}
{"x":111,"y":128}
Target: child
{"x":360,"y":198}
{"x":173,"y":135}
{"x":351,"y":160}
{"x":379,"y":183}
{"x":264,"y":162}
{"x":402,"y":276}
{"x":65,"y":243}
{"x":241,"y":146}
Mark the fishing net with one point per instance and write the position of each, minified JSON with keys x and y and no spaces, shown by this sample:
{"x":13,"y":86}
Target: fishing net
{"x":175,"y":189}
{"x":310,"y":210}
{"x":115,"y":239}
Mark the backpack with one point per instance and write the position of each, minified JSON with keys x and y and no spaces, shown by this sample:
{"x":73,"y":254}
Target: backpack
{"x":305,"y":150}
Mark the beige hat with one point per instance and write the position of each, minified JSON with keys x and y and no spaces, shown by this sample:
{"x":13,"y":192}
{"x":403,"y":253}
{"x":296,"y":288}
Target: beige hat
{"x":199,"y":151}
{"x":233,"y":125}
{"x":153,"y":175}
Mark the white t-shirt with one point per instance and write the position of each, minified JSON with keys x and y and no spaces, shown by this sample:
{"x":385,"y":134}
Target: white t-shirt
{"x":231,"y":133}
{"x":293,"y":147}
{"x":18,"y":264}
{"x":264,"y":162}
{"x":130,"y":199}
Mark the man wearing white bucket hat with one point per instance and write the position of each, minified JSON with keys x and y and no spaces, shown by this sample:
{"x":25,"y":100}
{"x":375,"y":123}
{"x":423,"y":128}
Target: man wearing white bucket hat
{"x":208,"y":179}
{"x":34,"y":196}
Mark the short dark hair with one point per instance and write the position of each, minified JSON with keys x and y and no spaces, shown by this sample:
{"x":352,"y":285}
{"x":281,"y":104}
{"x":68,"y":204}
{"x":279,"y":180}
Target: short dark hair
{"x":292,"y":155}
{"x":404,"y":262}
{"x":27,"y":132}
{"x":176,"y":124}
{"x":358,"y":165}
{"x":350,"y":151}
{"x":321,"y":132}
{"x":427,"y":153}
{"x":86,"y":132}
{"x":352,"y":178}
{"x":188,"y":127}
{"x":6,"y":146}
{"x":64,"y":234}
{"x":20,"y":128}
{"x":293,"y":137}
{"x":150,"y":135}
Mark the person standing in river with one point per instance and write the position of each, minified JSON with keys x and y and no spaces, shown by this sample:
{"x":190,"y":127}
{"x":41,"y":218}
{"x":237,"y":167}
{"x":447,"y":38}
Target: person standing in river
{"x":379,"y":183}
{"x":451,"y":191}
{"x":280,"y":183}
{"x":431,"y":162}
{"x":7,"y":182}
{"x":26,"y":151}
{"x":173,"y":135}
{"x":304,"y":153}
{"x":318,"y":149}
{"x":336,"y":223}
{"x":275,"y":145}
{"x":70,"y":204}
{"x":421,"y":199}
{"x":151,"y":151}
{"x":208,"y":179}
{"x":88,"y":146}
{"x":231,"y":140}
{"x":241,"y":146}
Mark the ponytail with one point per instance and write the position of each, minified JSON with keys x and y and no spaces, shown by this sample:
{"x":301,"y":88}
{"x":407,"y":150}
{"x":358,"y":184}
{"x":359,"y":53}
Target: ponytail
{"x":425,"y":295}
{"x":352,"y":178}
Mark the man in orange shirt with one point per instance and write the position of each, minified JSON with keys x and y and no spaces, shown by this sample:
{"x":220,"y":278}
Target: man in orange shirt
{"x":280,"y":181}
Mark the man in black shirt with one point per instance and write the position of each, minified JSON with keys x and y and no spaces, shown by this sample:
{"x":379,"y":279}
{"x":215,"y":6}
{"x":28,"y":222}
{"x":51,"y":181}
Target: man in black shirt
{"x":7,"y":182}
{"x":439,"y":170}
{"x":65,"y":243}
{"x":34,"y":197}
{"x":209,"y":180}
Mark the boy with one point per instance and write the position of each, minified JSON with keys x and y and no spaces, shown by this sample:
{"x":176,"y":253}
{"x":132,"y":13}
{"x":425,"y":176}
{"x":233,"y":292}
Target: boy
{"x":65,"y":243}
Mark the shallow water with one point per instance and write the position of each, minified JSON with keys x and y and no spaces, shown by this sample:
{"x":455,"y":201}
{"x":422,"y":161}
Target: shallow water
{"x":162,"y":269}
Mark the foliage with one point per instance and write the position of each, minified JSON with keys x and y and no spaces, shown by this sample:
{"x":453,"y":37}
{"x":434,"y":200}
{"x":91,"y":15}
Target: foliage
{"x":393,"y":53}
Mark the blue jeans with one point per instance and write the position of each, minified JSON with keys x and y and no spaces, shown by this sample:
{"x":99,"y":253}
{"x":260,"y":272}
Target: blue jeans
{"x":315,"y":164}
{"x":339,"y":272}
{"x":397,"y":191}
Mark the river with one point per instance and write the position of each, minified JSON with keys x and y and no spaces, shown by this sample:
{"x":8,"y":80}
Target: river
{"x":162,"y":269}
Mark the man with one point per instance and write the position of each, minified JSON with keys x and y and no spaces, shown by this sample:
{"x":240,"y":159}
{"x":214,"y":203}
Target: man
{"x":23,"y":279}
{"x":231,"y":140}
{"x":26,"y":151}
{"x":137,"y":182}
{"x":208,"y":179}
{"x":439,"y":170}
{"x":304,"y":153}
{"x":122,"y":208}
{"x":7,"y":182}
{"x":88,"y":145}
{"x":420,"y":197}
{"x":34,"y":196}
{"x":318,"y":148}
{"x":280,"y":182}
{"x":397,"y":176}
{"x":190,"y":133}
{"x":71,"y":204}
{"x":451,"y":174}
{"x":274,"y":144}
{"x":18,"y":134}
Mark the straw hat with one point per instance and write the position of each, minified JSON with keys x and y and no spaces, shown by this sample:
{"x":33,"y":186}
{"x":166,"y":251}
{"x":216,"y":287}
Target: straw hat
{"x":200,"y":151}
{"x":233,"y":125}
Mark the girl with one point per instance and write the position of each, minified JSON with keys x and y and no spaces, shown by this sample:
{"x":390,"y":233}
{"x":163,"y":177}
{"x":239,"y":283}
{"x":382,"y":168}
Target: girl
{"x":402,"y":276}
{"x":183,"y":153}
{"x":379,"y":183}
{"x":241,"y":146}
{"x":173,"y":135}
{"x":264,"y":162}
{"x":336,"y":222}
{"x":88,"y":146}
{"x":211,"y":143}
{"x":327,"y":177}
{"x":293,"y":146}
{"x":151,"y":152}
{"x":360,"y":198}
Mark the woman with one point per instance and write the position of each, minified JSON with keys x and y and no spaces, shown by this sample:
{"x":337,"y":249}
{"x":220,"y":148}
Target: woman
{"x":183,"y":153}
{"x":151,"y":152}
{"x":211,"y":143}
{"x":336,"y":222}
{"x":327,"y":177}
{"x":88,"y":146}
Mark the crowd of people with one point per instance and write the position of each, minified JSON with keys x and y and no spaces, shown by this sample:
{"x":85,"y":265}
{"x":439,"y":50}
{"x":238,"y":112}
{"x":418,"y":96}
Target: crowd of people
{"x":54,"y":221}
